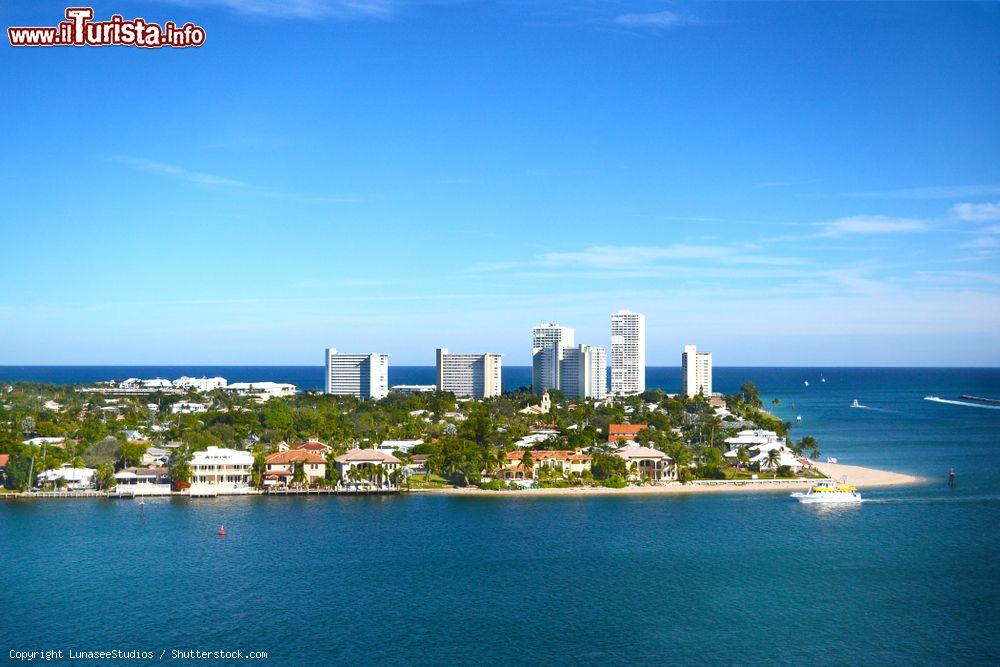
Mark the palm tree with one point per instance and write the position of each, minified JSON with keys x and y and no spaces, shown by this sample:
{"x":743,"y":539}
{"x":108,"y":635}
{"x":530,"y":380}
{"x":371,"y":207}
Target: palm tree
{"x":773,"y":458}
{"x":743,"y":456}
{"x":298,"y":473}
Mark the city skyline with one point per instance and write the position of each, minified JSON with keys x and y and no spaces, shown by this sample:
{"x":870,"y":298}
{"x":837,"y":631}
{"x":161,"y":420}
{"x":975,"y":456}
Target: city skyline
{"x":788,"y":185}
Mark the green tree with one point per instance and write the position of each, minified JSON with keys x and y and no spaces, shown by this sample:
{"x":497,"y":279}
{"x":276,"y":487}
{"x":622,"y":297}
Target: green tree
{"x":105,"y":476}
{"x":773,"y":457}
{"x":298,"y":473}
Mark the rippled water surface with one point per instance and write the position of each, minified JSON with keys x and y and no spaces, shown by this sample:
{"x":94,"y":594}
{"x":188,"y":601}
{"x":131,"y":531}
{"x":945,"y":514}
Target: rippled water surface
{"x":911,"y":576}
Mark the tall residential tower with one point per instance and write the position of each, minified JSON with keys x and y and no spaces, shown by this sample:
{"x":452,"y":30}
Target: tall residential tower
{"x":469,"y":375}
{"x":696,"y":368}
{"x":628,"y":352}
{"x":361,"y":375}
{"x":583,"y":372}
{"x":547,"y":343}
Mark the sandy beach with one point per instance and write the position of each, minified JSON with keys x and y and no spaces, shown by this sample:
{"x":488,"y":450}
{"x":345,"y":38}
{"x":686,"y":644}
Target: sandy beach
{"x":856,"y":475}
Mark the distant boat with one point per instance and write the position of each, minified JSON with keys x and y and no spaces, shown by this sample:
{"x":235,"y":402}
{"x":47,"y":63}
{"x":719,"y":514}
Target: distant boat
{"x":822,"y":379}
{"x":798,"y":418}
{"x":806,"y":383}
{"x":831,"y":459}
{"x":855,"y":404}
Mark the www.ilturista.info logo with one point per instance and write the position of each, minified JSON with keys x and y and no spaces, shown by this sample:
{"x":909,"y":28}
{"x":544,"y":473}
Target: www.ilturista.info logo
{"x":79,"y":29}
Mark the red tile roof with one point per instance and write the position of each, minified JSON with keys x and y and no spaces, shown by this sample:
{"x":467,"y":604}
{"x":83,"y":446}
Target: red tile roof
{"x":4,"y":460}
{"x":311,"y":446}
{"x":293,"y":455}
{"x":627,"y":431}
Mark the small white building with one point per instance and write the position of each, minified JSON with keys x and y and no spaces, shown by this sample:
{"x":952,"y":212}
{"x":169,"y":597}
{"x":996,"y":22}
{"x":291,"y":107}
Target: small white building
{"x":72,"y":478}
{"x":262,"y":391}
{"x":187,"y":408}
{"x":399,"y":445}
{"x":200,"y":384}
{"x":221,"y":470}
{"x":41,"y":440}
{"x":143,"y":482}
{"x":155,"y":456}
{"x":413,"y":388}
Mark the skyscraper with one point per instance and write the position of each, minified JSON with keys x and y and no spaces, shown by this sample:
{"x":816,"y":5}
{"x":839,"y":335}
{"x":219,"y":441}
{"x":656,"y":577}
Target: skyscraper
{"x":583,"y":372}
{"x":696,"y":369}
{"x":547,"y":342}
{"x":469,"y":375}
{"x":628,"y":352}
{"x":361,"y":375}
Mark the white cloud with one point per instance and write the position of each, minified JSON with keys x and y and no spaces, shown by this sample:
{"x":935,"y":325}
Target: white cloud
{"x":985,"y":212}
{"x":631,"y":258}
{"x":305,"y":9}
{"x":654,"y":20}
{"x":871,"y":224}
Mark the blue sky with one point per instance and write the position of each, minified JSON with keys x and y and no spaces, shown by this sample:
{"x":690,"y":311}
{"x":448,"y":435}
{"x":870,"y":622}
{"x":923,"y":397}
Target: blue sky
{"x":782,"y":184}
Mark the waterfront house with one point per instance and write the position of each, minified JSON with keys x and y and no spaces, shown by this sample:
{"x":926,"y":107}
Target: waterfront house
{"x":220,"y":470}
{"x":154,"y":481}
{"x":4,"y":462}
{"x":367,"y":467}
{"x":71,"y":478}
{"x":626,"y":432}
{"x":564,"y":461}
{"x":646,"y":463}
{"x":313,"y":465}
{"x":759,"y":445}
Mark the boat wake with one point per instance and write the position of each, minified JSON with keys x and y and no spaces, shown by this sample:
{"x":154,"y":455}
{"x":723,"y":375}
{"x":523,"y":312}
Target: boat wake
{"x":930,"y":500}
{"x":938,"y":399}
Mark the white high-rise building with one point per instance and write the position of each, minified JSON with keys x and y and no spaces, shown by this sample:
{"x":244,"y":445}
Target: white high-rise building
{"x":361,"y":375}
{"x":547,"y":343}
{"x":583,"y":372}
{"x":469,"y":375}
{"x":696,"y":369}
{"x":628,"y":352}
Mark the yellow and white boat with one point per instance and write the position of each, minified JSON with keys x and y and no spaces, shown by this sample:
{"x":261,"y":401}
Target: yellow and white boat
{"x":829,"y":491}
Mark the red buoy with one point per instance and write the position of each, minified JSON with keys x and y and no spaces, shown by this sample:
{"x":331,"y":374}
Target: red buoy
{"x":222,"y":531}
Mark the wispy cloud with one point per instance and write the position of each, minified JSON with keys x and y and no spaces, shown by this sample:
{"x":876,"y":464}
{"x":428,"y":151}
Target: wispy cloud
{"x":664,"y":20}
{"x":982,"y":243}
{"x":986,"y":212}
{"x":871,"y":224}
{"x":195,"y":177}
{"x":304,"y":9}
{"x":214,"y":181}
{"x":938,"y":192}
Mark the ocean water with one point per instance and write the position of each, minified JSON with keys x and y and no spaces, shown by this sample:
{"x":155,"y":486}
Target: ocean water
{"x":912,"y":576}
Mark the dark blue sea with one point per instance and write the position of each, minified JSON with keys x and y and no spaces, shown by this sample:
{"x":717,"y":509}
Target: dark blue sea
{"x":912,"y":576}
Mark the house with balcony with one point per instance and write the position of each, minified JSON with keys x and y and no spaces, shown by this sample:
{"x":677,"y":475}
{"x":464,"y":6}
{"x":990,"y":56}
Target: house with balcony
{"x":219,"y":471}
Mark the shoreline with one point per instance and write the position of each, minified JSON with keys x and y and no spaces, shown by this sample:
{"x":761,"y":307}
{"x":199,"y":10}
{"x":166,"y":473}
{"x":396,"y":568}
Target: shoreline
{"x":863,"y":478}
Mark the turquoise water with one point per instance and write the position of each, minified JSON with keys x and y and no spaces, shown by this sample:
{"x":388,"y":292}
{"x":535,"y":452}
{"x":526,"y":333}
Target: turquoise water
{"x":909,"y":577}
